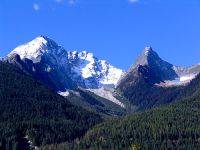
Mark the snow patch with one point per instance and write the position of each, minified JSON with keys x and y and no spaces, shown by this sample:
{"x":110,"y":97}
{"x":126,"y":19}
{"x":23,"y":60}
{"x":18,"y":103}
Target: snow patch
{"x":180,"y":81}
{"x":107,"y":94}
{"x":65,"y":94}
{"x":48,"y":68}
{"x":187,"y":78}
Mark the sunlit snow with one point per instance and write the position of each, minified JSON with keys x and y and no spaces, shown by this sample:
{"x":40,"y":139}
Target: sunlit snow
{"x":107,"y":94}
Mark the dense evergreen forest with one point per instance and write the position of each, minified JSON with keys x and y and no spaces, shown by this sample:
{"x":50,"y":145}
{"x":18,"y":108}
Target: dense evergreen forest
{"x":175,"y":126}
{"x":30,"y":111}
{"x":146,"y":95}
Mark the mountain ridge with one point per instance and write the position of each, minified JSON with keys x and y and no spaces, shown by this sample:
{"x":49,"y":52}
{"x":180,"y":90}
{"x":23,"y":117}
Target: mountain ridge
{"x":150,"y":76}
{"x":62,"y":71}
{"x":151,"y":66}
{"x":83,"y":68}
{"x":96,"y":73}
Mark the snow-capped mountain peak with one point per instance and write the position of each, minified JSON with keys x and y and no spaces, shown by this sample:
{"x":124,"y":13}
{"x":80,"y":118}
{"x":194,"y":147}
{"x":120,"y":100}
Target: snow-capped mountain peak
{"x":45,"y":60}
{"x":95,"y":73}
{"x":40,"y":46}
{"x":31,"y":49}
{"x":83,"y":68}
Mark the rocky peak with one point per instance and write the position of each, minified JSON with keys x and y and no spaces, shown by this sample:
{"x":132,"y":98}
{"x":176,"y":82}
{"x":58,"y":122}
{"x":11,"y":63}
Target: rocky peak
{"x":42,"y":48}
{"x":150,"y":67}
{"x":147,"y":57}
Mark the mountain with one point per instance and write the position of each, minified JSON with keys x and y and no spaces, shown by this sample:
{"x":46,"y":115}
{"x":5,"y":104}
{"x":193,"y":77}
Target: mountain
{"x":45,"y":61}
{"x":186,"y":74}
{"x":141,"y":85}
{"x":94,"y":73}
{"x":157,"y":71}
{"x":51,"y":64}
{"x":150,"y":76}
{"x":175,"y":126}
{"x":152,"y":67}
{"x":33,"y":115}
{"x":68,"y":73}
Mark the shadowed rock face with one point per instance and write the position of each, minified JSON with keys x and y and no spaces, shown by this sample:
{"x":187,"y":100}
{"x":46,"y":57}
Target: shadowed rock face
{"x":158,"y":69}
{"x":150,"y":76}
{"x":150,"y":67}
{"x":45,"y":61}
{"x":154,"y":70}
{"x":55,"y":77}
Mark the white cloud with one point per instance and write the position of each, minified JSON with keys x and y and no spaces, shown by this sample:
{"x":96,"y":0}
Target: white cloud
{"x":133,"y":1}
{"x":36,"y":7}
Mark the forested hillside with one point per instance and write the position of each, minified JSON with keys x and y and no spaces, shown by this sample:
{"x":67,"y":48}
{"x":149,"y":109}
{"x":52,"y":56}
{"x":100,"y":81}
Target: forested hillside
{"x":170,"y":127}
{"x":147,"y":96}
{"x":30,"y":111}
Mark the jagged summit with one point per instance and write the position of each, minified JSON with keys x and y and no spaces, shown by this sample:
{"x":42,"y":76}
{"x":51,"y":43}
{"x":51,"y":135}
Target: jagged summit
{"x":95,"y":72}
{"x":150,"y":67}
{"x":147,"y":57}
{"x":50,"y":59}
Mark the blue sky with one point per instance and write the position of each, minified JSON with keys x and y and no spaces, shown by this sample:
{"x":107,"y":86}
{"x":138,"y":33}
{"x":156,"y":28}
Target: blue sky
{"x":115,"y":30}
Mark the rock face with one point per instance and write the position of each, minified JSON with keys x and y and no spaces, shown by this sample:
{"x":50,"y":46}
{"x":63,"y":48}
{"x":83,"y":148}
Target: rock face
{"x":90,"y":72}
{"x":151,"y":67}
{"x":154,"y":70}
{"x":152,"y":81}
{"x":51,"y":64}
{"x":47,"y":62}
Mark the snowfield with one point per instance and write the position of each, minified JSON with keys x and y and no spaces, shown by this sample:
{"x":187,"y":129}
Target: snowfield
{"x":107,"y":94}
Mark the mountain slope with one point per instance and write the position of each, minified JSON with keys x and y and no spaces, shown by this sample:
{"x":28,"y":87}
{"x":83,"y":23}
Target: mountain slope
{"x":171,"y":127}
{"x":151,"y":82}
{"x":62,"y":71}
{"x":157,"y":71}
{"x":45,"y":61}
{"x":51,"y":64}
{"x":95,"y":73}
{"x":142,"y":84}
{"x":29,"y":109}
{"x":98,"y":104}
